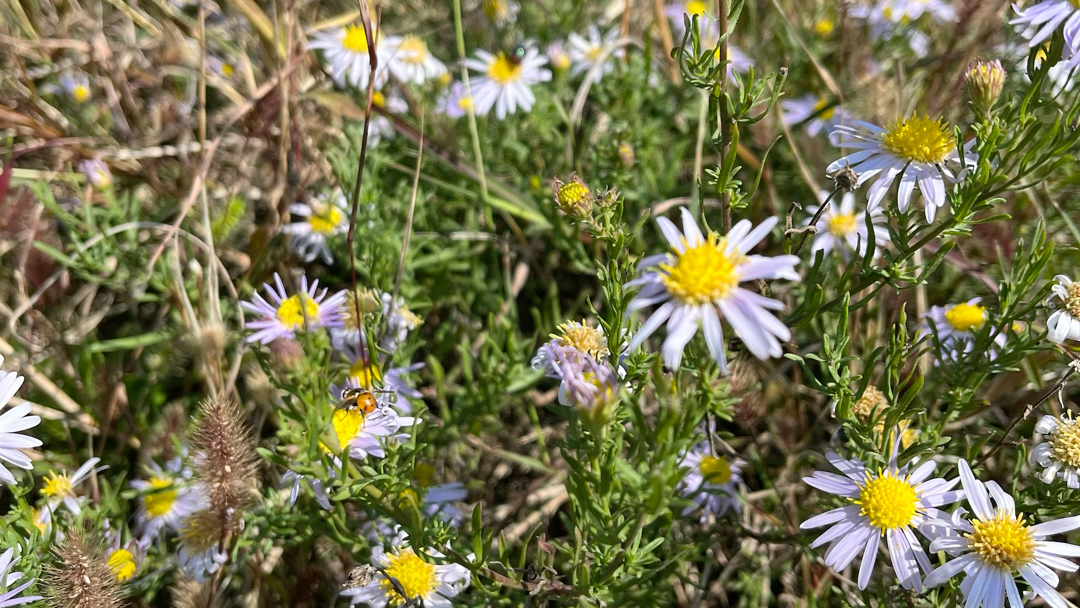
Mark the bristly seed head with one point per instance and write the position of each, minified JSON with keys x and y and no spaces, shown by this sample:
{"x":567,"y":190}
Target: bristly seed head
{"x":81,"y":576}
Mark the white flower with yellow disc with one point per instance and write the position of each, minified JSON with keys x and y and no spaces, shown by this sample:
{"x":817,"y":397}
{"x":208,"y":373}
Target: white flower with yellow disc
{"x":409,"y":60}
{"x":167,"y":498}
{"x":406,"y":577}
{"x":321,"y":219}
{"x":505,"y":83}
{"x":362,"y":434}
{"x":587,"y":52}
{"x":698,"y":280}
{"x":59,"y":488}
{"x":957,"y":325}
{"x":996,"y":545}
{"x":12,"y":424}
{"x":842,"y":229}
{"x":283,"y":315}
{"x":345,"y":49}
{"x":1060,"y":453}
{"x":919,"y":150}
{"x":1064,"y":323}
{"x":712,"y":482}
{"x":887,"y":504}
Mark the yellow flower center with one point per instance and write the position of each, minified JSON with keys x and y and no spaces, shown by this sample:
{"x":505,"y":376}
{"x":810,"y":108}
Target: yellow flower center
{"x":161,"y":500}
{"x":415,"y":577}
{"x":888,"y":501}
{"x":583,"y":338}
{"x":465,"y":103}
{"x":326,"y":220}
{"x":715,"y":469}
{"x":122,"y":563}
{"x":413,"y":50}
{"x":423,"y":473}
{"x":695,"y":7}
{"x":1065,"y":443}
{"x":295,"y":308}
{"x":572,"y":193}
{"x":966,"y":317}
{"x":919,"y":139}
{"x":842,"y":224}
{"x":1003,"y":542}
{"x":347,"y":423}
{"x":227,"y":69}
{"x":57,"y":486}
{"x":824,"y":110}
{"x":594,"y":53}
{"x":824,"y":27}
{"x":561,"y":61}
{"x":496,"y":10}
{"x":503,"y":71}
{"x":355,"y":39}
{"x":704,"y":273}
{"x":41,"y":519}
{"x":365,"y":374}
{"x":80,"y":93}
{"x":1072,"y":295}
{"x":872,"y":399}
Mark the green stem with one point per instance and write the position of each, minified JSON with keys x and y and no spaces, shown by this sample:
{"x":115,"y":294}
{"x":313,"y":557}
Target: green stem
{"x":473,"y":131}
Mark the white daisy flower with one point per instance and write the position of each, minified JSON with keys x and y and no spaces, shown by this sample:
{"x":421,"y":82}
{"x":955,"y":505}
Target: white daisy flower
{"x":708,"y":26}
{"x":346,"y":50}
{"x":322,"y":218}
{"x":394,"y":388}
{"x":1064,"y":323}
{"x":9,"y":593}
{"x":917,"y":149}
{"x":409,"y":61}
{"x":906,"y":11}
{"x":842,"y":229}
{"x":818,"y":113}
{"x":167,"y":498}
{"x":505,"y":83}
{"x":408,"y":578}
{"x":712,"y":482}
{"x":886,"y":504}
{"x":557,"y":56}
{"x":399,"y":322}
{"x":77,"y":86}
{"x":996,"y":545}
{"x":699,"y":279}
{"x":282,"y":315}
{"x":200,"y":564}
{"x":367,"y":434}
{"x":60,"y":489}
{"x":12,"y":423}
{"x":292,"y":479}
{"x":956,"y":326}
{"x":454,"y":102}
{"x":586,"y":52}
{"x":97,"y":173}
{"x":1060,"y":453}
{"x":1043,"y":19}
{"x":500,"y":12}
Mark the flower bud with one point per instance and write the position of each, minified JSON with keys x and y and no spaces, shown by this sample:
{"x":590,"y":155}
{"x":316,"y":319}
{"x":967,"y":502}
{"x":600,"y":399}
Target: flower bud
{"x":286,"y":353}
{"x":574,"y":198}
{"x":984,"y":81}
{"x":626,"y":155}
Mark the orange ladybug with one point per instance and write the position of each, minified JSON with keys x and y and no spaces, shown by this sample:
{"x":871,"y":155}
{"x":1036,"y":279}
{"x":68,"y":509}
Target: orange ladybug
{"x":358,"y":398}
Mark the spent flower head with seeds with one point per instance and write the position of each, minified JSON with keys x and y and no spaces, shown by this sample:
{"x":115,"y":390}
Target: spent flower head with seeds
{"x":505,"y":83}
{"x":283,"y":314}
{"x":13,"y":423}
{"x":712,"y":482}
{"x":919,"y":150}
{"x":885,"y":504}
{"x":698,"y":280}
{"x":1064,"y":323}
{"x":80,"y":576}
{"x":995,"y":545}
{"x":321,"y":218}
{"x":844,"y":230}
{"x":1060,"y":453}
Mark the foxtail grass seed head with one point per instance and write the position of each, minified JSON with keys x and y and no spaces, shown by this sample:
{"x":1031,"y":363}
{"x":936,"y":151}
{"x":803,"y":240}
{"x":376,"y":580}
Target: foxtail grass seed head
{"x":80,"y":575}
{"x":574,"y":198}
{"x":984,"y":81}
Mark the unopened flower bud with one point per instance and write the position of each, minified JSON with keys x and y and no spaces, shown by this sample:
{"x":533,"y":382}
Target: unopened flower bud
{"x":573,"y":197}
{"x":626,"y":155}
{"x":286,"y":353}
{"x":984,"y":81}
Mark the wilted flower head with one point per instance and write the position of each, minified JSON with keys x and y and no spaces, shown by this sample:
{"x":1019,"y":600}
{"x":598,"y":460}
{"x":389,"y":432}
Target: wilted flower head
{"x":984,"y":81}
{"x":81,"y":576}
{"x":586,"y":384}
